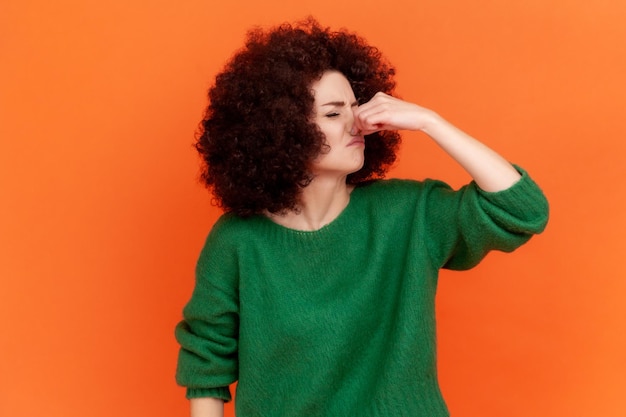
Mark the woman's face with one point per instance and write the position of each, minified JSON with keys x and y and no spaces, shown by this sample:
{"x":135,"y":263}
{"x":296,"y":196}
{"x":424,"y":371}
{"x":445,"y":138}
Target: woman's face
{"x":334,"y":114}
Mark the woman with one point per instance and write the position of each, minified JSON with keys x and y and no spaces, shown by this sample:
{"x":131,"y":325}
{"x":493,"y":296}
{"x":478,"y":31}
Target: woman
{"x":316,"y":290}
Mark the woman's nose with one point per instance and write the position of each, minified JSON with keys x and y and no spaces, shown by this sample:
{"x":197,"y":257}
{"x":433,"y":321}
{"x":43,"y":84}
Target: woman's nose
{"x":354,"y":129}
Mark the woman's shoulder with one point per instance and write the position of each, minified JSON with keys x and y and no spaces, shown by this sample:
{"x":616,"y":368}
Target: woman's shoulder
{"x":398,"y":186}
{"x":392,"y":196}
{"x":230,"y":230}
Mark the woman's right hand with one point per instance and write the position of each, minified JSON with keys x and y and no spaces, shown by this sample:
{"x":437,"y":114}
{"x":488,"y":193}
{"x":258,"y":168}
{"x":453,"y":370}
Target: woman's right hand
{"x":206,"y":407}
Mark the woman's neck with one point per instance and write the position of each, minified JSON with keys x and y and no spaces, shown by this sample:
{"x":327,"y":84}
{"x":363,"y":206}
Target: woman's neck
{"x":321,"y":202}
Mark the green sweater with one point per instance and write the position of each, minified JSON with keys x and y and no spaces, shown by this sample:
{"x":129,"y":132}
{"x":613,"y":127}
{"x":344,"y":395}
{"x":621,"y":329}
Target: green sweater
{"x":341,"y":321}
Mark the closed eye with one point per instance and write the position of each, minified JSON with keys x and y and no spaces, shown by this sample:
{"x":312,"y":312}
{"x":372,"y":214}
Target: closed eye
{"x":338,"y":105}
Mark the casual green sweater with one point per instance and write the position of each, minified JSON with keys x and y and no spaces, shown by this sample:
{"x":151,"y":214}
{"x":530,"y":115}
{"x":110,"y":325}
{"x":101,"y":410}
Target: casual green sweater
{"x":341,"y":321}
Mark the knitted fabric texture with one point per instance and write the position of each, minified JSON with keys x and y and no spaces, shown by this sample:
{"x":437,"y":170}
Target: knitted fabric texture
{"x":341,"y":321}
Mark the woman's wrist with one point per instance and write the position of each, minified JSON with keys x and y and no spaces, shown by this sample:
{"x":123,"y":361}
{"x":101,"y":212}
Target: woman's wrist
{"x":431,"y":122}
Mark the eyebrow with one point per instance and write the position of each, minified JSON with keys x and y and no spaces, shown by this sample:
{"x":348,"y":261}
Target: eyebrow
{"x":340,"y":103}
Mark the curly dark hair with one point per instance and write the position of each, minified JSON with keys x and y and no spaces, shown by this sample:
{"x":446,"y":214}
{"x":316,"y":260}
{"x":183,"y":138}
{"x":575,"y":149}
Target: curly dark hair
{"x":257,"y":138}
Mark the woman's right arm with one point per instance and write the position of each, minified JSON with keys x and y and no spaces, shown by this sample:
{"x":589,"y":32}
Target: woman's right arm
{"x":206,"y":407}
{"x":208,"y":333}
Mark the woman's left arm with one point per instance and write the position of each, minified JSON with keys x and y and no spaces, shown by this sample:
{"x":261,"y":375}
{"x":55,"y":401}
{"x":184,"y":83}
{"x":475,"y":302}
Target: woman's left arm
{"x":488,"y":169}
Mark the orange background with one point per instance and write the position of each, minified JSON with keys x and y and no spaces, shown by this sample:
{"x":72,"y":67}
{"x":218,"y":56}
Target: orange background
{"x":101,"y":217}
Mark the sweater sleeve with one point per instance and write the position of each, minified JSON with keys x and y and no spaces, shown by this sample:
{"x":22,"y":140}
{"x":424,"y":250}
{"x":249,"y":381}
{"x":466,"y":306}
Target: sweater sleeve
{"x":207,"y":361}
{"x":464,"y":225}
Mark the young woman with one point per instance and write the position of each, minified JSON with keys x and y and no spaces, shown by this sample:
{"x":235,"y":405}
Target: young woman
{"x":316,"y":289}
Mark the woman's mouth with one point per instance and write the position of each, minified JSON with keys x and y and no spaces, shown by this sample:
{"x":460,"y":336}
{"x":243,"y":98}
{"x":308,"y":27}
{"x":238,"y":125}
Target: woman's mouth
{"x":357,"y":141}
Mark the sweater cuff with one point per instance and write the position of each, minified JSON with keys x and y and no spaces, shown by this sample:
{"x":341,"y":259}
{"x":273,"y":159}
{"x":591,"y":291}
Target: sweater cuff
{"x":218,"y":392}
{"x":524,"y":200}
